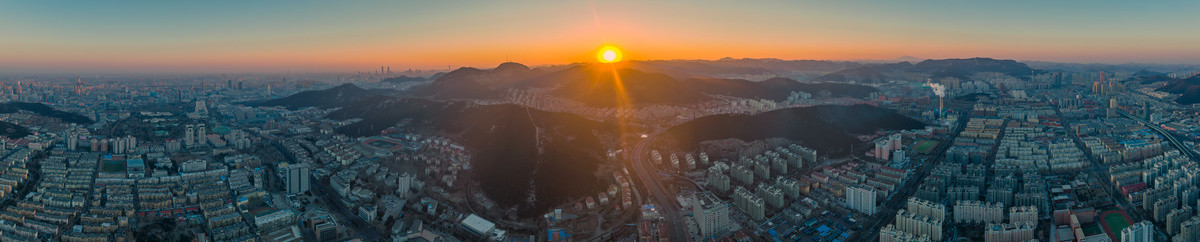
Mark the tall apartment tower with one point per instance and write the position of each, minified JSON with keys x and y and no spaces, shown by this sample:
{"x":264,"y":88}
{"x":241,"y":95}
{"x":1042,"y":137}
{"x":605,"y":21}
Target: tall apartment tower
{"x":712,"y":215}
{"x":201,"y":134}
{"x":861,"y":198}
{"x":297,"y":176}
{"x":189,"y":135}
{"x":1139,"y":232}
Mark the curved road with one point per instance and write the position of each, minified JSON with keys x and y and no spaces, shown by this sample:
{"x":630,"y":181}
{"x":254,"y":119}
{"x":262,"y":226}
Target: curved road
{"x":1170,"y":136}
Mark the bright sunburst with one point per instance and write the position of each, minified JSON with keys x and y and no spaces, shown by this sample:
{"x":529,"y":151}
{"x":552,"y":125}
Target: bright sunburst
{"x":608,"y":54}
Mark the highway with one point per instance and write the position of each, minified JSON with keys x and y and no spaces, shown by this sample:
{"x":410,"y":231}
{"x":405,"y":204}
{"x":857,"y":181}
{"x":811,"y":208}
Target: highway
{"x":1170,"y":137}
{"x":643,"y":168}
{"x":885,"y":214}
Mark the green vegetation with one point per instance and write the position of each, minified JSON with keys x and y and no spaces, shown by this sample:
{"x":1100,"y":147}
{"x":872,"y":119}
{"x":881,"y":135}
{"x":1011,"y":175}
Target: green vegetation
{"x":113,"y":166}
{"x":925,"y":146}
{"x":1091,"y":229}
{"x":1116,"y":222}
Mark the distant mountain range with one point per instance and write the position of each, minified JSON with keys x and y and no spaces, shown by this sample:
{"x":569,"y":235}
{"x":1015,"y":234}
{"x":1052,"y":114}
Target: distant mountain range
{"x":1147,"y":77}
{"x":776,"y":88}
{"x":1188,"y":88}
{"x":684,"y":69}
{"x":596,"y":85}
{"x":830,"y":129}
{"x":522,"y":157}
{"x":458,"y":84}
{"x":863,"y":74}
{"x":43,"y":110}
{"x":334,"y":97}
{"x":1112,"y":68}
{"x":403,"y":79}
{"x":935,"y":69}
{"x":971,"y":66}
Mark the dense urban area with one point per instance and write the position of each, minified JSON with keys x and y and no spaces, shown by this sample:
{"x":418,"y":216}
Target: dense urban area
{"x":937,"y":150}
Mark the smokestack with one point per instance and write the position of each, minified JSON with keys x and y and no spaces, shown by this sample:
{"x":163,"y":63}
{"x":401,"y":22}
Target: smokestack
{"x":940,"y":91}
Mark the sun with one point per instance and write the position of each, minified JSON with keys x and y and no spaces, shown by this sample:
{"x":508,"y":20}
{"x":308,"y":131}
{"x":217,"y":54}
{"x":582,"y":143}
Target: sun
{"x":608,"y":54}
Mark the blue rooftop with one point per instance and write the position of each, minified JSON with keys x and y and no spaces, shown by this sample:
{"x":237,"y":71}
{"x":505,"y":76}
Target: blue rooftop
{"x":138,"y":163}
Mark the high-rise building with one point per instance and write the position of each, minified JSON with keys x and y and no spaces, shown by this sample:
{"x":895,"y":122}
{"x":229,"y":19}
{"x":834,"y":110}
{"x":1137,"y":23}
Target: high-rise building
{"x":325,"y":228}
{"x":201,"y":134}
{"x":892,"y":234}
{"x":1189,"y":230}
{"x":749,"y":203}
{"x":790,"y":188}
{"x":1139,"y":232}
{"x":771,"y":194}
{"x":712,"y":215}
{"x":297,"y":177}
{"x":742,"y":174}
{"x":1164,"y":206}
{"x":976,"y":211}
{"x":201,"y":109}
{"x":1009,"y":232}
{"x":1023,"y":215}
{"x":404,"y":185}
{"x":189,"y":135}
{"x":861,"y":198}
{"x":717,"y":180}
{"x":926,"y":208}
{"x":918,"y":224}
{"x":72,"y":141}
{"x":1176,"y":218}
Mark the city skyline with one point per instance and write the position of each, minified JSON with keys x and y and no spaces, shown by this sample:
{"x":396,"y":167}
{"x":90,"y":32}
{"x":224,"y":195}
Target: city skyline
{"x":136,"y":36}
{"x":808,"y":121}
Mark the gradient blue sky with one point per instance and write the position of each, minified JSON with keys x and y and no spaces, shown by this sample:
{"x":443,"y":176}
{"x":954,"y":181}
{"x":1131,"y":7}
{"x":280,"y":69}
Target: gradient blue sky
{"x":170,"y":36}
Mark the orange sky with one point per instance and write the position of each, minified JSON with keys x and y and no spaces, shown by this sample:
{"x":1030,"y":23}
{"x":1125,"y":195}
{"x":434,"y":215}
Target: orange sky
{"x":359,"y":36}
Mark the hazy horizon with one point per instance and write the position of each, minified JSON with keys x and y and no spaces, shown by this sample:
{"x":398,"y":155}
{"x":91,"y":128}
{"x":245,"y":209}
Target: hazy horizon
{"x":397,"y":71}
{"x":308,"y":36}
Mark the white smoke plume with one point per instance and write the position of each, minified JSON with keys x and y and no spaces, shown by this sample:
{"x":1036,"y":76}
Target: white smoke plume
{"x":938,"y":89}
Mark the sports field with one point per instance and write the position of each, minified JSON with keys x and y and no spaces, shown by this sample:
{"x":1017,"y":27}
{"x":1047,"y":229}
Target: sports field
{"x":1114,"y":222}
{"x":925,"y":146}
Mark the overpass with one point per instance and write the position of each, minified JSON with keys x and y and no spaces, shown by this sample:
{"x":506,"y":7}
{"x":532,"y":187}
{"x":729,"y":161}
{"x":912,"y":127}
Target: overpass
{"x":1191,"y":154}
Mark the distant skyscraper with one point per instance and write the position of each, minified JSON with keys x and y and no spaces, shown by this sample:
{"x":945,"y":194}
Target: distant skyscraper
{"x":201,"y":109}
